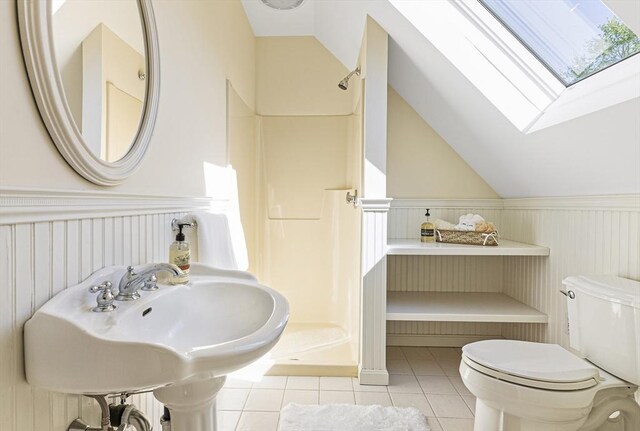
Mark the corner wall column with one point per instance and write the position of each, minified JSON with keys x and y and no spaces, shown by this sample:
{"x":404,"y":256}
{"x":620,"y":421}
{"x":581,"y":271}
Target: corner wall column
{"x":372,"y":369}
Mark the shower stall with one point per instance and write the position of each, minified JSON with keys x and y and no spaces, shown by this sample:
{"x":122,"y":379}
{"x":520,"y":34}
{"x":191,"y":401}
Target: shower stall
{"x":308,"y":238}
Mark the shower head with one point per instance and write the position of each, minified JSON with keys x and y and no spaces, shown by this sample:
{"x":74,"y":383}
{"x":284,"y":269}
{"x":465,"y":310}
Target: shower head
{"x":344,"y":84}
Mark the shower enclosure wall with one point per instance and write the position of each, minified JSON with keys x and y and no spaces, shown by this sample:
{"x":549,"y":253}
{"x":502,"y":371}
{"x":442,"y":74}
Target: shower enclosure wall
{"x":297,"y":151}
{"x":309,"y":238}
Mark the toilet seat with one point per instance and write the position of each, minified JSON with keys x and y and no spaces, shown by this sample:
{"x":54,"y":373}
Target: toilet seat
{"x":536,"y":365}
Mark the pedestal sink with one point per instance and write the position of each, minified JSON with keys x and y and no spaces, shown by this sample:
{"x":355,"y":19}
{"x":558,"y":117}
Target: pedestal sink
{"x":179,"y":341}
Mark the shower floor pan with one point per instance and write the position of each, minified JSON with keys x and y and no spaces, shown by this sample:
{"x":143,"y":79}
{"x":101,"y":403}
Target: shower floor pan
{"x":309,"y":349}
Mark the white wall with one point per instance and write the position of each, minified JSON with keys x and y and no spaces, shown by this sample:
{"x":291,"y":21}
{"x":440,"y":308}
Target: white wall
{"x":421,"y":163}
{"x":374,"y":63}
{"x":202,"y":43}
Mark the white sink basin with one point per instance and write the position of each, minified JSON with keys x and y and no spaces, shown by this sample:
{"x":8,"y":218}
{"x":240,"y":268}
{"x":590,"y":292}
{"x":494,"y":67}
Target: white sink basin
{"x":220,"y":322}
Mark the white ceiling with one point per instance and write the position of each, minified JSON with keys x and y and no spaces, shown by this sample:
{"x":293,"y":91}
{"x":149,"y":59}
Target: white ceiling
{"x":267,"y":21}
{"x":598,"y":153}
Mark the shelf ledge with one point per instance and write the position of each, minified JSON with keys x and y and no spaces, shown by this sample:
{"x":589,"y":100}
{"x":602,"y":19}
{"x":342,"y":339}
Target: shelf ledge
{"x":460,"y":307}
{"x":411,"y":247}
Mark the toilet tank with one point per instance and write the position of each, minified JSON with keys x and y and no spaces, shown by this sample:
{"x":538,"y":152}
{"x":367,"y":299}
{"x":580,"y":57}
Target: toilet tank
{"x":604,"y":322}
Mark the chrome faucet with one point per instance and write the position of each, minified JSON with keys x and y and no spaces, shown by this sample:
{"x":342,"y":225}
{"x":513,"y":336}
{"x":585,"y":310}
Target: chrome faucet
{"x":131,"y":282}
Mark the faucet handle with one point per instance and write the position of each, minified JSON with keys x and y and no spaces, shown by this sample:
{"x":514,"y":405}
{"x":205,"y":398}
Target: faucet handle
{"x":151,"y":283}
{"x":105,"y":298}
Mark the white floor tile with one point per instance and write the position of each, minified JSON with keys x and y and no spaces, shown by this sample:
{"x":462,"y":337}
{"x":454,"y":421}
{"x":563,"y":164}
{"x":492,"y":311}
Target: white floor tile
{"x":450,"y":368}
{"x":232,"y":399}
{"x":417,"y":353}
{"x":436,"y":373}
{"x":445,"y":353}
{"x":470,"y":401}
{"x":336,"y":384}
{"x":403,"y":384}
{"x":424,"y":367}
{"x":394,"y":353}
{"x":418,"y":401}
{"x":299,"y":397}
{"x":264,"y":400}
{"x":357,"y":387}
{"x":258,"y":421}
{"x":449,"y":406}
{"x":307,"y":383}
{"x":237,"y":383}
{"x":456,"y":381}
{"x":228,"y":420}
{"x":434,"y":424}
{"x":337,"y":397}
{"x":369,"y":398}
{"x":271,"y":382}
{"x":436,"y":385}
{"x":454,"y":424}
{"x":398,"y":366}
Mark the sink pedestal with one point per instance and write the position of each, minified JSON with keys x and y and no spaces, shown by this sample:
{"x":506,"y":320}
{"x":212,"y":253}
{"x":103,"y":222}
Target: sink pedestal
{"x":192,"y":405}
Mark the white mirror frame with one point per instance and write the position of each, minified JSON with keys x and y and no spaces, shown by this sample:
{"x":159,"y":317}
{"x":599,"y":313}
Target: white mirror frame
{"x":39,"y":55}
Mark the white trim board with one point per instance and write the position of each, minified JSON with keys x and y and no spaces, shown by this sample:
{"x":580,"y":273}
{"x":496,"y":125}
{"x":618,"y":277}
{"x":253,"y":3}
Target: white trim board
{"x":447,"y":203}
{"x":375,"y":204}
{"x":436,"y":340}
{"x":373,"y":377}
{"x":22,"y":205}
{"x":413,"y":247}
{"x":612,"y":202}
{"x":629,"y":202}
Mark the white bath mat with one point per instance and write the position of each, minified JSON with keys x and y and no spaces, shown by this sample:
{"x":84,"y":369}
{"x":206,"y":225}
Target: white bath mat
{"x":344,"y":417}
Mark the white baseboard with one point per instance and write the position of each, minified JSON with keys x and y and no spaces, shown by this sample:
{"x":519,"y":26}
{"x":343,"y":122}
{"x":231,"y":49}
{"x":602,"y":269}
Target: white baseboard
{"x":373,"y":377}
{"x":436,"y":340}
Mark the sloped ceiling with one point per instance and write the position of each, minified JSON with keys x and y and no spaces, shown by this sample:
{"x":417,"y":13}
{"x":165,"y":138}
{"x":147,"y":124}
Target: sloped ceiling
{"x":595,"y":154}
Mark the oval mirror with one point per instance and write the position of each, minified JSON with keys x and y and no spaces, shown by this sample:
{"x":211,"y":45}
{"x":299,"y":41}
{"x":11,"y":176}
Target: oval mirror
{"x":94,"y":70}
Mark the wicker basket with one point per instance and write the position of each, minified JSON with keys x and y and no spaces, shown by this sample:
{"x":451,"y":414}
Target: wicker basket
{"x":467,"y":237}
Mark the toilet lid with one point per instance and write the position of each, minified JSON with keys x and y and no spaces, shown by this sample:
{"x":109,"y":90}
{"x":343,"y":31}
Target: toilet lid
{"x":532,"y":362}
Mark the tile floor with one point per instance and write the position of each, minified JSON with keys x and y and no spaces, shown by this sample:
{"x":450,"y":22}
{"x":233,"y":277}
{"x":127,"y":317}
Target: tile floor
{"x":420,"y":377}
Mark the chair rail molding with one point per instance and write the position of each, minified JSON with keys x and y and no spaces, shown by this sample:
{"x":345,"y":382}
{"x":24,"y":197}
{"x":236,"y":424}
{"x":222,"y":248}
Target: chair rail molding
{"x":629,"y":202}
{"x":448,"y":203}
{"x":24,"y":205}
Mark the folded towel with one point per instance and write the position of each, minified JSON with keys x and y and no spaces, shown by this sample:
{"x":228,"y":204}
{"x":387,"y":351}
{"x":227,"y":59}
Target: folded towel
{"x":468,"y":222}
{"x":444,"y":225}
{"x":215,"y":242}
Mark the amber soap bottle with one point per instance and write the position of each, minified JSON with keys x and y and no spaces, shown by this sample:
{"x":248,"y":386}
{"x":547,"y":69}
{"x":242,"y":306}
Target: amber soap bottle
{"x":427,"y":230}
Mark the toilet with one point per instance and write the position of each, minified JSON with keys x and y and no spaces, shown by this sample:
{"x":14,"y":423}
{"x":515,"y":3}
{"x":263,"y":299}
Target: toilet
{"x":525,"y":386}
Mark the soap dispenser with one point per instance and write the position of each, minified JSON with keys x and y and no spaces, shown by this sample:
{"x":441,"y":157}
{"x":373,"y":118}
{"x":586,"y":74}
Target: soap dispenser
{"x":427,"y":230}
{"x":180,"y":255}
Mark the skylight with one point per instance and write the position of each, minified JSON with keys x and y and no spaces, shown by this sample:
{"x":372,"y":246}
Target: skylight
{"x":573,"y":38}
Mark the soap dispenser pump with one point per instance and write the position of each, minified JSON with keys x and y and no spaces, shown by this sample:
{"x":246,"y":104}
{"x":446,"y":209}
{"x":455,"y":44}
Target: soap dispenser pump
{"x":180,"y":255}
{"x":427,"y":230}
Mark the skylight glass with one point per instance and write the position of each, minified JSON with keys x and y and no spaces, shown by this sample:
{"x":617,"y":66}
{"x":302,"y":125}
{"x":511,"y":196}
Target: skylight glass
{"x":573,"y":38}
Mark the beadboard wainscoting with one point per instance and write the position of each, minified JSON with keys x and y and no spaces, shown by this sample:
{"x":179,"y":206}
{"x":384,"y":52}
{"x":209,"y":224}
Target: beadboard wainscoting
{"x":441,"y":273}
{"x":599,"y":235}
{"x":51,"y":240}
{"x":586,"y":235}
{"x":406,"y":215}
{"x":372,"y":369}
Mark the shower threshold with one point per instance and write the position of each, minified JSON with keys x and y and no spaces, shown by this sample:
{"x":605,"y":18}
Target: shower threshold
{"x":312,"y":349}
